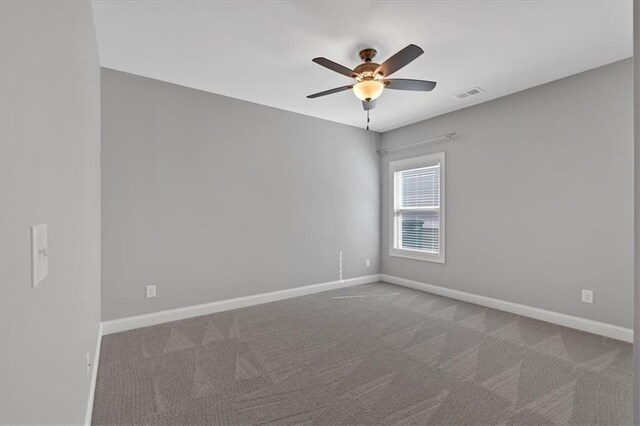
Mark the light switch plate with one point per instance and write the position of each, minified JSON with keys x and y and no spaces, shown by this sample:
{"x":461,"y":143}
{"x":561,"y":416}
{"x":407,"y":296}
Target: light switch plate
{"x":39,"y":254}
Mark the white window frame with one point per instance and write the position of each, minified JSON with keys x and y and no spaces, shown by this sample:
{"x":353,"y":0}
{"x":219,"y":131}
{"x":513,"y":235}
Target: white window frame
{"x":414,"y":163}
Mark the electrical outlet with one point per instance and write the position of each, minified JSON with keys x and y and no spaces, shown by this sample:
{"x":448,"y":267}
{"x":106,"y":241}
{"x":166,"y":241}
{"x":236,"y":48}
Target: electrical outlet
{"x":151,"y":291}
{"x":587,"y":296}
{"x":39,"y":254}
{"x":88,"y":364}
{"x":367,"y":263}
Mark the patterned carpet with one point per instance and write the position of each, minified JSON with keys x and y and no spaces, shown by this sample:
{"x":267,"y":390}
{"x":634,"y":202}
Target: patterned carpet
{"x":371,"y":354}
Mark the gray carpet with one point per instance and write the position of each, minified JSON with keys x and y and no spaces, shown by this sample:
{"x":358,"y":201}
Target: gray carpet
{"x":371,"y":354}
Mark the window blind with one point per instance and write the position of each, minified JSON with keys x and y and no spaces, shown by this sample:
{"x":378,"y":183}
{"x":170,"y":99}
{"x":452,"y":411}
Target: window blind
{"x":417,"y":209}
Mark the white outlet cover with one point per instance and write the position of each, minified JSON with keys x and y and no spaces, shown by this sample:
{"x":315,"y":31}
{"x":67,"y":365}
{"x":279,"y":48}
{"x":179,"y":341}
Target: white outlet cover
{"x":39,"y":254}
{"x":151,"y":291}
{"x":587,"y":296}
{"x":368,"y":262}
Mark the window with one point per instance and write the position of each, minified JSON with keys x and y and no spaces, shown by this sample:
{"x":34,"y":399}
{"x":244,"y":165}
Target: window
{"x":417,"y":228}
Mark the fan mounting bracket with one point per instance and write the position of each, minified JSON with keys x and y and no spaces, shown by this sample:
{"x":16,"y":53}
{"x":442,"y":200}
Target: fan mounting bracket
{"x":367,"y":55}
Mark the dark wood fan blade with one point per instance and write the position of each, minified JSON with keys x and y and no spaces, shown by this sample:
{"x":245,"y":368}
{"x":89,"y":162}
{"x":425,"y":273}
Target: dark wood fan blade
{"x":369,"y":105}
{"x":399,"y":60}
{"x":340,"y":69}
{"x":330,"y":91}
{"x":407,"y":84}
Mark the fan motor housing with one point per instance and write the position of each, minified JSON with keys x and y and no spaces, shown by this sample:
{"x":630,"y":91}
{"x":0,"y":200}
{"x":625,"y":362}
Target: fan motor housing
{"x":367,"y":69}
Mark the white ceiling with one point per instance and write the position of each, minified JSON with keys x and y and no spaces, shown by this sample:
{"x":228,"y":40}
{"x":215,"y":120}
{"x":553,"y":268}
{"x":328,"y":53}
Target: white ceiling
{"x":261,"y":51}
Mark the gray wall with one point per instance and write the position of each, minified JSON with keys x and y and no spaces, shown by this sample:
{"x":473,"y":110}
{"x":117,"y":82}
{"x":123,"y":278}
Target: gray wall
{"x":539,"y":196}
{"x":636,"y":122}
{"x":50,"y":101}
{"x":212,"y":198}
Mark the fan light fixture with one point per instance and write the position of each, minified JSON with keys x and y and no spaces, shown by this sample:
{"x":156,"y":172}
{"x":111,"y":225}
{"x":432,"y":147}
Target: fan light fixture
{"x":368,"y":90}
{"x":372,"y":78}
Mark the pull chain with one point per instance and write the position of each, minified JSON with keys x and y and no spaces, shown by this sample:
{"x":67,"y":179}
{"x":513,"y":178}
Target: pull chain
{"x":367,"y":119}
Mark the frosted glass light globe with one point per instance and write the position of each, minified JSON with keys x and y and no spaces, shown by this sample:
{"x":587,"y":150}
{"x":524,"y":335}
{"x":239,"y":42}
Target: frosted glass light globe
{"x":368,"y":90}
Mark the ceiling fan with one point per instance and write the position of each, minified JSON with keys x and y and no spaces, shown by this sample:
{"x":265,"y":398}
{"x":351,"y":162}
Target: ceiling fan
{"x":371,"y":78}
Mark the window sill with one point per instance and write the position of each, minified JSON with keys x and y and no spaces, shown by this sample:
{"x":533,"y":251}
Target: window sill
{"x":415,"y":255}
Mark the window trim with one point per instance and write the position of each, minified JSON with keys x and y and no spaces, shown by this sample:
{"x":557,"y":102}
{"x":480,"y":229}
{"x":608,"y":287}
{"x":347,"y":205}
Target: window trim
{"x":413,"y":163}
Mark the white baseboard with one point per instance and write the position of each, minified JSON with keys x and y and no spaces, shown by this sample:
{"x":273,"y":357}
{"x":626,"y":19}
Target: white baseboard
{"x":94,"y":376}
{"x":154,"y":318}
{"x":583,"y":324}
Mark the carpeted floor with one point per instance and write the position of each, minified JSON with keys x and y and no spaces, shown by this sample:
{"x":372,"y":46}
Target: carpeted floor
{"x":371,"y":354}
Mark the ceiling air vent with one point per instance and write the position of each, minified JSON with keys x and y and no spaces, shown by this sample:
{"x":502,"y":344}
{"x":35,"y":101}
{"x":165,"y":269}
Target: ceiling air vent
{"x":470,"y":92}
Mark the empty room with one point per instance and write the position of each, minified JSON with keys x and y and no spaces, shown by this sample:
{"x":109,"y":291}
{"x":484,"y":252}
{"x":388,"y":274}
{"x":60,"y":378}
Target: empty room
{"x":319,"y":212}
